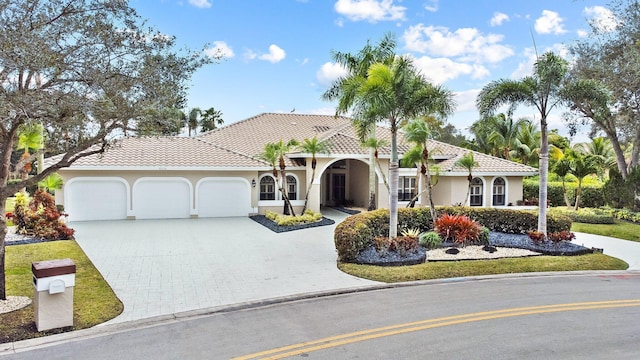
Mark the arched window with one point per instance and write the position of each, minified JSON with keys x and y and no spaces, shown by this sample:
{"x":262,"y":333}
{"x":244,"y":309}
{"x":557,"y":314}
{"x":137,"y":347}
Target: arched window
{"x":475,"y":193}
{"x":267,"y":188}
{"x":499,"y":196}
{"x":292,"y":187}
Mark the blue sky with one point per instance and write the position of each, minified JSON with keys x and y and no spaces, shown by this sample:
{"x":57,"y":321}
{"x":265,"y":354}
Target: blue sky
{"x":277,"y":52}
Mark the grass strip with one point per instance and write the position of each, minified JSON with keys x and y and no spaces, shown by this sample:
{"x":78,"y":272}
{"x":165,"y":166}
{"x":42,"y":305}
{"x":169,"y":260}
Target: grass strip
{"x":94,"y":300}
{"x":619,"y":229}
{"x":450,"y":269}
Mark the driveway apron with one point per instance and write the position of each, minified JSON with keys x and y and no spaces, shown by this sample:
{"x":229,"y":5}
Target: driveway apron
{"x":162,"y":267}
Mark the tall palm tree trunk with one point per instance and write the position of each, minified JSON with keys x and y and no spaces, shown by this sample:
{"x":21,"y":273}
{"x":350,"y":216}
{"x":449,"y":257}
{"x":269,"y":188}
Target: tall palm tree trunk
{"x":544,"y":177}
{"x":372,"y":180}
{"x":313,"y":176}
{"x":393,"y":188}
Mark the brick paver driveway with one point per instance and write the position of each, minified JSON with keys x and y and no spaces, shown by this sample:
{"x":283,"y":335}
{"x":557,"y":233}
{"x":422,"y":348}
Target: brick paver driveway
{"x":161,"y":267}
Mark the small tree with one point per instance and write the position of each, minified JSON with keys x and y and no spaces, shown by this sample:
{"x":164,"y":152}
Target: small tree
{"x":468,"y":162}
{"x":312,"y":147}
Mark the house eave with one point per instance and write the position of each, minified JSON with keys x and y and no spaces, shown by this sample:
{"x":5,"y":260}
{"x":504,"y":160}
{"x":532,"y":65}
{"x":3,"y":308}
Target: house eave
{"x":174,"y":168}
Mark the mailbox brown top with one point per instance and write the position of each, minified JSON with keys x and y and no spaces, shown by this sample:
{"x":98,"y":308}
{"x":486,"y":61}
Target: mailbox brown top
{"x":48,"y":268}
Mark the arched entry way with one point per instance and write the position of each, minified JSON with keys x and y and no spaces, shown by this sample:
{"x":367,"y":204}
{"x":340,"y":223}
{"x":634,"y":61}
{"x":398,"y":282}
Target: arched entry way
{"x":345,"y":182}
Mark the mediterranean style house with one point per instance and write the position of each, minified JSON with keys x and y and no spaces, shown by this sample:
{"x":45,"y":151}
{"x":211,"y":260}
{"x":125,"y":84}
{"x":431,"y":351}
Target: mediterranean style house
{"x":220,"y":173}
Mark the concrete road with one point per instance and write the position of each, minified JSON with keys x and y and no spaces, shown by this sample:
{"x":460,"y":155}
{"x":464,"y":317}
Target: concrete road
{"x":593,"y":315}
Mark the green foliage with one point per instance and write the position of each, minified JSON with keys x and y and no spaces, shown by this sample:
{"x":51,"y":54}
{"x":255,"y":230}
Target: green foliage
{"x":288,"y":220}
{"x":586,"y":215}
{"x":357,"y":232}
{"x":592,"y":193}
{"x":620,"y":193}
{"x":400,"y":244}
{"x":40,"y":218}
{"x":483,"y":238}
{"x":622,"y":214}
{"x":412,"y":232}
{"x":431,"y":240}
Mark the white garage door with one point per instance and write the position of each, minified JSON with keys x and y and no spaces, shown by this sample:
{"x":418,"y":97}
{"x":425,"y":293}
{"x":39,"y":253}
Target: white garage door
{"x":162,"y":198}
{"x":96,"y":199}
{"x":224,"y":197}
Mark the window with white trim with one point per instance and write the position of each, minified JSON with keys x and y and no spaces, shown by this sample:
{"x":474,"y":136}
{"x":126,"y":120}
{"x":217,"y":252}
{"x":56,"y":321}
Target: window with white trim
{"x":475,"y":192}
{"x":292,"y":187}
{"x":499,"y":196}
{"x":406,"y":188}
{"x":267,"y":188}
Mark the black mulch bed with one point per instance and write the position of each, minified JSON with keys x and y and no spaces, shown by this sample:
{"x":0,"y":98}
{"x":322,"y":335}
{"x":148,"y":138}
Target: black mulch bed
{"x":18,"y":239}
{"x":262,"y":220}
{"x":371,"y":256}
{"x":346,"y":210}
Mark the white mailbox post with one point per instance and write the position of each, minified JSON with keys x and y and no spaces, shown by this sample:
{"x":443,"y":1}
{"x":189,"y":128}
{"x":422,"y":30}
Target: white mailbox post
{"x":53,"y":282}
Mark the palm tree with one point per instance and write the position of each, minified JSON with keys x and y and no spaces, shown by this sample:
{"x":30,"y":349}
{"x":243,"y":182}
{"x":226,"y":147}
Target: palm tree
{"x":602,"y":149}
{"x":541,"y":90}
{"x":505,"y":134}
{"x":341,"y":89}
{"x":581,"y":166}
{"x":374,"y":144}
{"x":417,"y":132}
{"x":193,"y":122}
{"x":210,"y":119}
{"x":30,"y":138}
{"x":562,"y":168}
{"x":272,"y":154}
{"x":282,"y":149}
{"x":313,"y":147}
{"x":468,"y":162}
{"x":395,"y":93}
{"x":527,"y":144}
{"x":51,"y":183}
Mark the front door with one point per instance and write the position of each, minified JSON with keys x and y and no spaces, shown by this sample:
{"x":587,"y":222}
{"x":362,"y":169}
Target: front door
{"x":338,"y":188}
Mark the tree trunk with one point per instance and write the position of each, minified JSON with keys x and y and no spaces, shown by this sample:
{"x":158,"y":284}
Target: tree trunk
{"x":544,"y":176}
{"x":635,"y":151}
{"x":578,"y":191}
{"x":564,"y":193}
{"x":432,"y":208}
{"x":288,"y":208}
{"x":3,"y":234}
{"x":306,"y":196}
{"x":393,"y":189}
{"x":372,"y":180}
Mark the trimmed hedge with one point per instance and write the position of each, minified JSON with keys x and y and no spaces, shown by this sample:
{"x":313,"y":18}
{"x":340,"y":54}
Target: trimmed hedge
{"x":592,"y":196}
{"x":357,"y":232}
{"x":586,"y":215}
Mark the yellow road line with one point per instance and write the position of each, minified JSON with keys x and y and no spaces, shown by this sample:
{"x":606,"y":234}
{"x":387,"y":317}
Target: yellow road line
{"x":333,"y":341}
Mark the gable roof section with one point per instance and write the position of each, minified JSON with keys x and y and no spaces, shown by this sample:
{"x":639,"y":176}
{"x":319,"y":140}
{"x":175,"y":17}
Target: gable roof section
{"x":238,"y":146}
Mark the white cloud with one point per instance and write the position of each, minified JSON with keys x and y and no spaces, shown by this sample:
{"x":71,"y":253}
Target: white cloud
{"x":498,"y":18}
{"x":439,"y":70}
{"x":276,"y":54}
{"x":433,"y":6}
{"x":550,"y":23}
{"x":370,"y":10}
{"x":601,"y":17}
{"x":582,"y":33}
{"x":220,"y":49}
{"x":467,"y":43}
{"x":466,"y":100}
{"x":329,"y":72}
{"x":250,"y":55}
{"x":200,"y":3}
{"x":303,"y":61}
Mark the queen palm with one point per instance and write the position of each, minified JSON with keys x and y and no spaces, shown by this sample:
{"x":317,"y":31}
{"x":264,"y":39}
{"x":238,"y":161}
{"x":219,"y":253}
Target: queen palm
{"x":395,"y":93}
{"x":562,"y":168}
{"x":505,"y":134}
{"x":417,"y":132}
{"x":31,"y":138}
{"x":468,"y":162}
{"x":282,"y":149}
{"x":193,"y":121}
{"x":374,"y":144}
{"x":312,"y":147}
{"x":342,"y":90}
{"x":541,"y":90}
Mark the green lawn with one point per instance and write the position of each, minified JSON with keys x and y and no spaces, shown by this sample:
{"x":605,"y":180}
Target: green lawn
{"x":621,"y":230}
{"x":450,"y":269}
{"x":94,"y":300}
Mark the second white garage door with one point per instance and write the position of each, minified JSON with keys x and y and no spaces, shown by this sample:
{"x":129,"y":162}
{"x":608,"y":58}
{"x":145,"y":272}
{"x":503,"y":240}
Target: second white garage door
{"x":223,"y":197}
{"x":162,"y":198}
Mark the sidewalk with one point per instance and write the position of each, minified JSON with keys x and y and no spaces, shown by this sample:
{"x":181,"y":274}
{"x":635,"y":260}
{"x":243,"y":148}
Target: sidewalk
{"x":628,"y":251}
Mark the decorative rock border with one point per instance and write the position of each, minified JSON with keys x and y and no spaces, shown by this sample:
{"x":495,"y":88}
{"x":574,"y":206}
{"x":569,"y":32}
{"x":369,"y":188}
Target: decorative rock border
{"x":271,"y":225}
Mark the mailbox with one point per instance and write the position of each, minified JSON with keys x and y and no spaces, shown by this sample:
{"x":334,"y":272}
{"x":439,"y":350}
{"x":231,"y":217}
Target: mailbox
{"x":53,"y":281}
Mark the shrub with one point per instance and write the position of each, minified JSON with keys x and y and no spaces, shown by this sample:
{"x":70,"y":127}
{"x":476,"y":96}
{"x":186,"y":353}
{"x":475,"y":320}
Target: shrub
{"x":40,"y":218}
{"x":430,"y":240}
{"x":561,"y":236}
{"x":592,"y":195}
{"x":458,"y":228}
{"x":404,"y":244}
{"x":537,"y":236}
{"x":412,"y":232}
{"x":483,"y":239}
{"x":288,"y":220}
{"x":586,"y":215}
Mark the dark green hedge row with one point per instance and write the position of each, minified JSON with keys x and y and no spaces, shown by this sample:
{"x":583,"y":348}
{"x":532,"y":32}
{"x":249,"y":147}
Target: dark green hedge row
{"x":591,"y":196}
{"x":356,"y":232}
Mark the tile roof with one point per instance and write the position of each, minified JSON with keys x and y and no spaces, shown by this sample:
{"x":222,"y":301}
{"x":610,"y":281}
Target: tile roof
{"x":238,"y":145}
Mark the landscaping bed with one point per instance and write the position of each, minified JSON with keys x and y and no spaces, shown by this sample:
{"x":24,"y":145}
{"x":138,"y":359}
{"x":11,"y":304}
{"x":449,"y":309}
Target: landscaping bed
{"x":273,"y":226}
